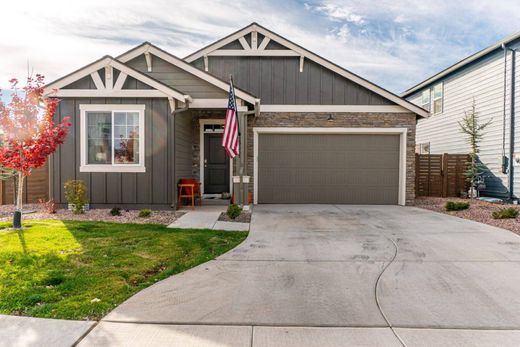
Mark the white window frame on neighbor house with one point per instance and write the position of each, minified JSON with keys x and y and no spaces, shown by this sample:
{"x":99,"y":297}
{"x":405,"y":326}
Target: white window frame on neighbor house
{"x":402,"y":132}
{"x":424,"y":94}
{"x":85,"y":167}
{"x":434,"y":98}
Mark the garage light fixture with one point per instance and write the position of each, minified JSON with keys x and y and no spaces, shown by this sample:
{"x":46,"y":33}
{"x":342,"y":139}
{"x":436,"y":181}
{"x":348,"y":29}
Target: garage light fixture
{"x":330,"y":119}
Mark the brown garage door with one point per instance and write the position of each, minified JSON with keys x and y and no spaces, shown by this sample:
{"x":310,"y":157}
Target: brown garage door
{"x":328,"y":169}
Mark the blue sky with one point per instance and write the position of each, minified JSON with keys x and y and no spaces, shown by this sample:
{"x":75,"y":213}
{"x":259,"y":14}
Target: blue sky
{"x":392,"y":43}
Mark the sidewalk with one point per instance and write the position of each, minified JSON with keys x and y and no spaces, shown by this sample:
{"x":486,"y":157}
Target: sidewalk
{"x":206,"y":217}
{"x":27,"y":331}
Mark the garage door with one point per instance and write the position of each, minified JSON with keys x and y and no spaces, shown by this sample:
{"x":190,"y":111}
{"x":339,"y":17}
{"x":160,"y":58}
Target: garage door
{"x":328,"y":168}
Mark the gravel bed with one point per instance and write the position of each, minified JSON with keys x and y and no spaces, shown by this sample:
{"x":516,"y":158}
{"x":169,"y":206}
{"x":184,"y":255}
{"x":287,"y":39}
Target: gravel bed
{"x":245,"y":217}
{"x":479,"y":211}
{"x":37,"y":212}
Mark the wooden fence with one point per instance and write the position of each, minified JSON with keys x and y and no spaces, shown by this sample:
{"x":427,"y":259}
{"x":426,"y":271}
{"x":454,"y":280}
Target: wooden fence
{"x":36,"y":187}
{"x":440,"y":174}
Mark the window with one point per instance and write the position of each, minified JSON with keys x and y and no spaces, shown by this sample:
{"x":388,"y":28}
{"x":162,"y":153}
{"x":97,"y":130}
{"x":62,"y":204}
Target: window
{"x":422,"y":148}
{"x":112,"y":138}
{"x":438,"y":95}
{"x":425,"y":100}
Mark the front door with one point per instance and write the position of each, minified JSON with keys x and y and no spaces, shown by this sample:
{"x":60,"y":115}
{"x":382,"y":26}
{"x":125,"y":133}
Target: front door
{"x":216,"y":165}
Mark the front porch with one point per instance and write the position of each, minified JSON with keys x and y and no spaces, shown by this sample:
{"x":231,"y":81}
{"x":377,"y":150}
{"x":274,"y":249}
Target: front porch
{"x":199,"y":155}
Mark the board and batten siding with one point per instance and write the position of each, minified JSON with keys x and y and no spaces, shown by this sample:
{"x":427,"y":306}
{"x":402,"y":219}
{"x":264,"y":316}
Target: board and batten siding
{"x":177,"y":78}
{"x":183,"y":146}
{"x":482,"y":82}
{"x":153,"y":188}
{"x":278,"y":80}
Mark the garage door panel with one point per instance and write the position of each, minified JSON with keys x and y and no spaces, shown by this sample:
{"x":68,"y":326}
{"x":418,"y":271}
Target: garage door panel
{"x":328,"y":168}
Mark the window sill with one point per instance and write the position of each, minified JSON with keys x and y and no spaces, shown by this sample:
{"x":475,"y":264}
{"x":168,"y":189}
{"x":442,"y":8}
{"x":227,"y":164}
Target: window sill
{"x":111,"y":168}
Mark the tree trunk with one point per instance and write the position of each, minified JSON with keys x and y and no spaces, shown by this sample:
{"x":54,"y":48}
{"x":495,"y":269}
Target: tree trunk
{"x":17,"y":218}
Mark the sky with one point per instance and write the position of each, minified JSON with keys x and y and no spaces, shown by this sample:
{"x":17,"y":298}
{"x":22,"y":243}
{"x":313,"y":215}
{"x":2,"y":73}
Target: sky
{"x":394,"y":44}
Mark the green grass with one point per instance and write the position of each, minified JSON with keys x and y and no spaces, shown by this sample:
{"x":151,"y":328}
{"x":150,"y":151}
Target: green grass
{"x":59,"y":269}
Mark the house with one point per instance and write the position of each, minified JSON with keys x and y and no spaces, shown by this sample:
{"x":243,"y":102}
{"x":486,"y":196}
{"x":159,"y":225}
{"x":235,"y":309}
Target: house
{"x":486,"y":78}
{"x":316,"y":133}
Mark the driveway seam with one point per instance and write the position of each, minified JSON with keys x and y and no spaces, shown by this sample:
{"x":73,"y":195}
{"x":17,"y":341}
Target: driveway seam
{"x":89,"y":330}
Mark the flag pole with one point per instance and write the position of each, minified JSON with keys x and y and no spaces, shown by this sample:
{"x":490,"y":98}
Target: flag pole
{"x":240,"y":123}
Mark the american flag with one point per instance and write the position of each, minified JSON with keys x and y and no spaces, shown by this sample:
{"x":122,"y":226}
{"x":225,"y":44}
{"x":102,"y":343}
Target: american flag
{"x":230,"y":137}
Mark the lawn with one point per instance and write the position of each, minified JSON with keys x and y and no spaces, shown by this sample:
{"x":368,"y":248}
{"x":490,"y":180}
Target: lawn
{"x":82,"y":270}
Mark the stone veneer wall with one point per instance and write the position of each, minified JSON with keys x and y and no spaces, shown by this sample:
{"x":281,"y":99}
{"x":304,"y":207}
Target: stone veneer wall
{"x":343,"y":120}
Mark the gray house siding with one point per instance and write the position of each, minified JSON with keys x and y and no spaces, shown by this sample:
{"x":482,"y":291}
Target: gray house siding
{"x":278,"y":80}
{"x":152,"y":188}
{"x":177,"y":78}
{"x":183,"y":146}
{"x":482,"y":82}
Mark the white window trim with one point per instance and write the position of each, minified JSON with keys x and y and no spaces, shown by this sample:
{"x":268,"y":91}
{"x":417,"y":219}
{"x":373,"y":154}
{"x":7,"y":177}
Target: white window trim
{"x":399,"y":131}
{"x":434,"y":98}
{"x":429,"y":103}
{"x":84,"y":167}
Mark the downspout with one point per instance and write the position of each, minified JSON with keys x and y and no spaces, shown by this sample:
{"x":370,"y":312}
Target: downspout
{"x":509,"y":162}
{"x":512,"y":129}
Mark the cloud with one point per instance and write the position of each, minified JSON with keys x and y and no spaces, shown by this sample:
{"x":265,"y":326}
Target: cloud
{"x":394,"y":43}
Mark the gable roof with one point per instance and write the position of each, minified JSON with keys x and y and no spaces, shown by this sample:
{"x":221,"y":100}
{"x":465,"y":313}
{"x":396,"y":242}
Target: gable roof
{"x":104,"y":62}
{"x":303,"y":53}
{"x":147,"y":47}
{"x":461,"y":64}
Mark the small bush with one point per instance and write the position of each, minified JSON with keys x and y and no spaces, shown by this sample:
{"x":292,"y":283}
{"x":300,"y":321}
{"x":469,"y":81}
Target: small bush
{"x":115,"y":211}
{"x":233,"y":211}
{"x":507,"y":212}
{"x":49,"y":206}
{"x":145,"y":212}
{"x":456,"y":206}
{"x":76,"y":195}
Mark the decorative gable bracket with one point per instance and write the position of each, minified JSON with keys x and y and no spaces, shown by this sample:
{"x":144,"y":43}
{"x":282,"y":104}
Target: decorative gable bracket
{"x":109,"y":87}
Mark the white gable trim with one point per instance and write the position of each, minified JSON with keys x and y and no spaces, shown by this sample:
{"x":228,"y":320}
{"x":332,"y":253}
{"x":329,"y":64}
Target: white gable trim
{"x":147,"y":47}
{"x":311,"y":56}
{"x":108,"y":90}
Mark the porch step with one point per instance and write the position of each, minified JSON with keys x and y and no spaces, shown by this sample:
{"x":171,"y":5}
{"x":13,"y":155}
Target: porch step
{"x":216,"y":201}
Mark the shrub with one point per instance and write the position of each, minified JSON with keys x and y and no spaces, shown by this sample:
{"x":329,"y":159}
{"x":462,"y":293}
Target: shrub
{"x":49,"y":206}
{"x":233,"y":211}
{"x":507,"y":212}
{"x":456,"y":206}
{"x":115,"y":211}
{"x":145,"y":212}
{"x":76,"y":195}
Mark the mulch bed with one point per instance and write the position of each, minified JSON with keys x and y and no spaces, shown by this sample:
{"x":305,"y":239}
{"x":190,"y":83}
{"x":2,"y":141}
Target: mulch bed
{"x":38,"y":212}
{"x":245,"y":217}
{"x":479,"y":211}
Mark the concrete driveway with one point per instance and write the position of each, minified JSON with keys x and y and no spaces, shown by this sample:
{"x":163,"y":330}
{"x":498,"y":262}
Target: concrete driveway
{"x":335,"y":275}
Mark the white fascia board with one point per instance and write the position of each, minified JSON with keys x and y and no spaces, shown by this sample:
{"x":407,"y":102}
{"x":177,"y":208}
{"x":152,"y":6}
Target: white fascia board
{"x":317,"y":59}
{"x":186,"y":67}
{"x":335,"y":108}
{"x":213,"y":103}
{"x":114,"y":93}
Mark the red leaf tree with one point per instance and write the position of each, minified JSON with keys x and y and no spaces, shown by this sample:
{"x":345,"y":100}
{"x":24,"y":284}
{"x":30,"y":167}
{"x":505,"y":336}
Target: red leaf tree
{"x":29,"y":132}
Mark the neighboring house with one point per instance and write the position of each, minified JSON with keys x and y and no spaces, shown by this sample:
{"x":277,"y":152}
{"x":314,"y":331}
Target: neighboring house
{"x":321,"y":134}
{"x":485,"y":78}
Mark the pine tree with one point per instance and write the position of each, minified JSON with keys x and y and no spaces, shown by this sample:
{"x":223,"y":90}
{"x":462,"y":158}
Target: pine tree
{"x":471,"y":126}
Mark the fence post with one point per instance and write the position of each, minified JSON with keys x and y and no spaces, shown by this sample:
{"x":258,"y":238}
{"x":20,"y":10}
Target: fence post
{"x":444,"y":174}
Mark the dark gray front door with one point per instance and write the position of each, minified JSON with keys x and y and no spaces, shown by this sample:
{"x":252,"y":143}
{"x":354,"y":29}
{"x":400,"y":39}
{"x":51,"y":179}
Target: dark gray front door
{"x":328,"y":169}
{"x":216,"y":165}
